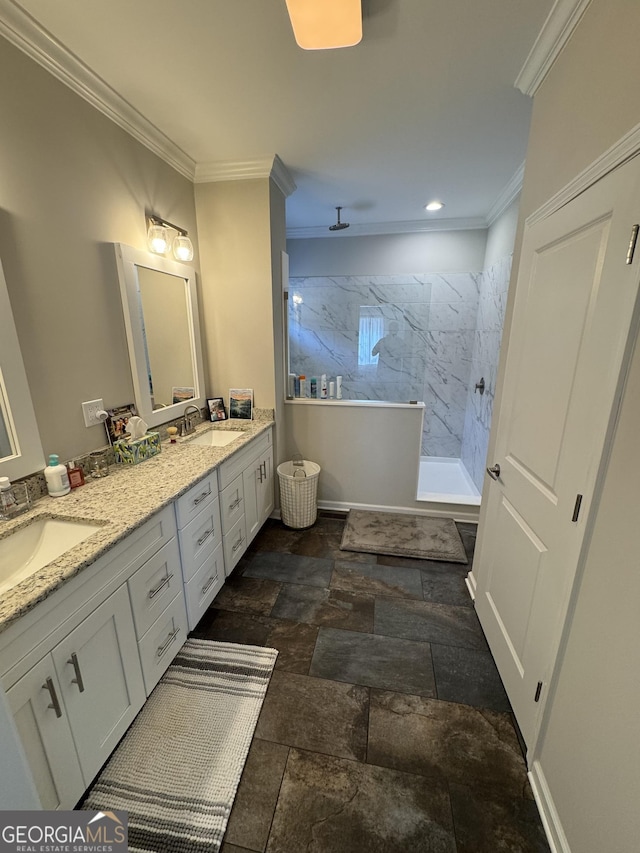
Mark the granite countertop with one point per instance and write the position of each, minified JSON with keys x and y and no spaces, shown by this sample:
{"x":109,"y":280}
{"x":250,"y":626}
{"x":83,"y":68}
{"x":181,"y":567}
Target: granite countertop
{"x":120,"y":503}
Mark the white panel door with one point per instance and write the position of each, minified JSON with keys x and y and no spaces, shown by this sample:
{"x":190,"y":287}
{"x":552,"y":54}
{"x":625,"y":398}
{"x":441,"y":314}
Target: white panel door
{"x":573,"y":314}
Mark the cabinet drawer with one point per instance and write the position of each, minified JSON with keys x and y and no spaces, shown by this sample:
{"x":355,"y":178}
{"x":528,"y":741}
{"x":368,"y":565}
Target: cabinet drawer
{"x":231,"y":504}
{"x":230,"y":469}
{"x":154,"y":586}
{"x":204,"y":586}
{"x":162,"y":642}
{"x":235,"y":544}
{"x":196,"y":499}
{"x":199,"y":538}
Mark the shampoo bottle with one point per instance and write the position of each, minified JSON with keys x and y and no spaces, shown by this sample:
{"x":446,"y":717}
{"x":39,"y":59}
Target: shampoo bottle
{"x":57,"y":477}
{"x":323,"y":386}
{"x":338,"y":387}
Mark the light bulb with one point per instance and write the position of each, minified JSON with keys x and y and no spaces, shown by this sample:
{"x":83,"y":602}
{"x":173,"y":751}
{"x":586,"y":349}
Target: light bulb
{"x":182,"y":248}
{"x":434,"y":205}
{"x":157,"y":239}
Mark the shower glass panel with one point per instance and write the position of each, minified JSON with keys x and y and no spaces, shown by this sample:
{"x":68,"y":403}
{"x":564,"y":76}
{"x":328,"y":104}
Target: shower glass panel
{"x":392,"y":338}
{"x":371,"y":330}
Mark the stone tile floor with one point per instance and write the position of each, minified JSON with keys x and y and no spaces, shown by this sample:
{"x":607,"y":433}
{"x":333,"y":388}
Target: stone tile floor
{"x":385,"y":728}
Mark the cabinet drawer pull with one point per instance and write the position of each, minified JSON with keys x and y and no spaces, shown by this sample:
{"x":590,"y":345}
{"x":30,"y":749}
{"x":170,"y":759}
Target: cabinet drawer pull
{"x":209,"y":584}
{"x":260,"y":472}
{"x":163,"y":648}
{"x":199,"y":499}
{"x":73,"y":660}
{"x":165,"y":580}
{"x":235,"y":503}
{"x":238,"y":544}
{"x":55,"y":704}
{"x":263,"y":465}
{"x":204,"y":537}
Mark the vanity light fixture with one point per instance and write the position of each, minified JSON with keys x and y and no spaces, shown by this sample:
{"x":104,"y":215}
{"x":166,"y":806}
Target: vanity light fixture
{"x":159,"y":239}
{"x":434,"y":205}
{"x":323,"y":24}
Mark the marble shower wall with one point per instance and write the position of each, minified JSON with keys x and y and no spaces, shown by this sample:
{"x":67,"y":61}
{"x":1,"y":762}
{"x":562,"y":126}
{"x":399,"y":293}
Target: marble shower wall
{"x":432,"y":353}
{"x":494,"y":284}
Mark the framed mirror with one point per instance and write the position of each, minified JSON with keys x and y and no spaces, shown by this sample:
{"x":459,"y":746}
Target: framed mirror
{"x":20,"y":447}
{"x":163,"y":334}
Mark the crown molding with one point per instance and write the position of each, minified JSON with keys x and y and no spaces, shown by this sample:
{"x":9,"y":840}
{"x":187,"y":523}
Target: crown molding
{"x":555,"y":33}
{"x":507,"y":196}
{"x":374,"y":228}
{"x":18,"y":27}
{"x":244,"y":170}
{"x":233,"y":170}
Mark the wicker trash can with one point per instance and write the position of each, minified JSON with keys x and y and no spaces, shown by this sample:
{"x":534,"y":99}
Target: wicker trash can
{"x":298,"y":492}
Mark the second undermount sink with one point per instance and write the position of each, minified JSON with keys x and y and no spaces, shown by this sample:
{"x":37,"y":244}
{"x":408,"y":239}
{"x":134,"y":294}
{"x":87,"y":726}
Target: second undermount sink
{"x":38,"y":543}
{"x":216,"y":437}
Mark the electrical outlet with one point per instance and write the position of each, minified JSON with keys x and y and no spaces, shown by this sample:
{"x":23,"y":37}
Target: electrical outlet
{"x":90,"y":411}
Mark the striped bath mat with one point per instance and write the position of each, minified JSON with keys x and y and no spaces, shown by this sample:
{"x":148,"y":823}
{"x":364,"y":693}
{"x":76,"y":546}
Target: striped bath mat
{"x":177,"y":769}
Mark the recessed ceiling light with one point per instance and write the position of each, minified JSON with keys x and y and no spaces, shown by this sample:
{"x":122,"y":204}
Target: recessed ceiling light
{"x":434,"y":205}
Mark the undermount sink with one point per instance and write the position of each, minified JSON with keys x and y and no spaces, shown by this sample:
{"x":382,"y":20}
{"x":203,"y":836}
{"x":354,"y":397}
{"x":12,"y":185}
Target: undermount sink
{"x":216,"y":437}
{"x":32,"y":547}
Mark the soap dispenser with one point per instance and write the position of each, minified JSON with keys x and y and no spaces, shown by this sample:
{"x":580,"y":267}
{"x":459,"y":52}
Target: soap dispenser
{"x":57,"y":477}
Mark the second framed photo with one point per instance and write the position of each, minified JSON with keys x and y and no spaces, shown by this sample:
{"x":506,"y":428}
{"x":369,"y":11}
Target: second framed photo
{"x":241,"y":403}
{"x":217,"y":411}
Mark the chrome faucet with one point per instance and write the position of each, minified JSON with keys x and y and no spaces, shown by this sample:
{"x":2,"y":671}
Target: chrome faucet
{"x":188,"y":424}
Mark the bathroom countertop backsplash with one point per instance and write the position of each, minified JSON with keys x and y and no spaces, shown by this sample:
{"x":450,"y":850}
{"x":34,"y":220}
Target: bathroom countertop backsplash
{"x":120,"y":502}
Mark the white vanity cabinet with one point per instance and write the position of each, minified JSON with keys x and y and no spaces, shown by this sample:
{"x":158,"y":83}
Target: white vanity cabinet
{"x":200,"y":537}
{"x":72,"y":667}
{"x":74,"y":705}
{"x":43,"y":725}
{"x":246,"y":496}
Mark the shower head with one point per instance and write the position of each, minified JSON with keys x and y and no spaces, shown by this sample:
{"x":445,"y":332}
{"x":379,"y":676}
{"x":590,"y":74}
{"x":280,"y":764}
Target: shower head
{"x":339,"y":226}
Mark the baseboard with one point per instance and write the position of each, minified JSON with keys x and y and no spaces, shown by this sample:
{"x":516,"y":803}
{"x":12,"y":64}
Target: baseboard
{"x":548,"y":814}
{"x":451,"y":511}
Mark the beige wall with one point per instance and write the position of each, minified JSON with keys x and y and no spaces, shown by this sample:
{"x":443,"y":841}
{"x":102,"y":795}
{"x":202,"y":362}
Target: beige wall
{"x":72,"y":184}
{"x":278,"y":243}
{"x":237,"y":298}
{"x":590,"y":99}
{"x":368,"y":454}
{"x":432,"y":251}
{"x":587,"y":754}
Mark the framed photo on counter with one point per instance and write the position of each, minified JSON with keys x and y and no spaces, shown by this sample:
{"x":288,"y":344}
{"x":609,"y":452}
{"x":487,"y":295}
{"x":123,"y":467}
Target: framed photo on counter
{"x":217,"y":411}
{"x":241,"y":404}
{"x":116,"y":423}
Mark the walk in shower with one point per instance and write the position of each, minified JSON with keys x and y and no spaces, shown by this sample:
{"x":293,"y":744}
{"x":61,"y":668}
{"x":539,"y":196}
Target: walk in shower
{"x":423,"y":337}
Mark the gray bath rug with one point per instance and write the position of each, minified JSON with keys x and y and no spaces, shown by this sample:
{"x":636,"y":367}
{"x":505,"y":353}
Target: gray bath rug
{"x":403,"y":535}
{"x":177,"y":769}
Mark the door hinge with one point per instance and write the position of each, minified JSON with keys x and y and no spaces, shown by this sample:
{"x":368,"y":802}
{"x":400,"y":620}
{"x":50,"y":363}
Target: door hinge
{"x":536,"y":698}
{"x":632,"y":243}
{"x":576,"y":508}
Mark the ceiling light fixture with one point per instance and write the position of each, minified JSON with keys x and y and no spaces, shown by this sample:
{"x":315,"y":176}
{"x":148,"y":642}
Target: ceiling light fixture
{"x":434,"y":205}
{"x":159,"y":239}
{"x":339,"y":226}
{"x":325,"y":24}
